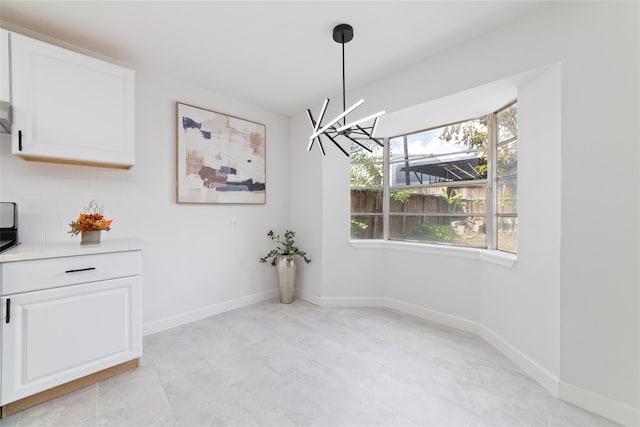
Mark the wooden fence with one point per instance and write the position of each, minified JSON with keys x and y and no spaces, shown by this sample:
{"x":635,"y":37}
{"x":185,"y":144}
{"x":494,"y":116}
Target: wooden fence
{"x":463,"y":205}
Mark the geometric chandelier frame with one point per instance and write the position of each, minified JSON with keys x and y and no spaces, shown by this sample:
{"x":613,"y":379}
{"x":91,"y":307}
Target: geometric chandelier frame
{"x":354,"y":131}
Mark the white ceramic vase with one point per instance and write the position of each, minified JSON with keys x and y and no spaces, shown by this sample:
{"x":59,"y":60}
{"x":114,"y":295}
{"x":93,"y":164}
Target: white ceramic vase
{"x":90,"y":237}
{"x":286,"y":266}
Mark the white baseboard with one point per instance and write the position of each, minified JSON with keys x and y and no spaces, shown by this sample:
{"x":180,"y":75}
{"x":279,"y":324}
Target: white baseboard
{"x":599,"y":404}
{"x":352,"y":302}
{"x":201,"y":313}
{"x":541,"y":375}
{"x":433,"y":315}
{"x":308,"y":296}
{"x":340,"y":301}
{"x":545,"y":378}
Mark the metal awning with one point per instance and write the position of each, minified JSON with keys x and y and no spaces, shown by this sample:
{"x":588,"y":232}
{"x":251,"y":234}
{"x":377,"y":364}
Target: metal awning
{"x":454,"y":170}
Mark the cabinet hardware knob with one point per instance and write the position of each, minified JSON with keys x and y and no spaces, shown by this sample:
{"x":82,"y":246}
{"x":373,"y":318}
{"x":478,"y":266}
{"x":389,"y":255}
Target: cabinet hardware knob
{"x":80,"y":269}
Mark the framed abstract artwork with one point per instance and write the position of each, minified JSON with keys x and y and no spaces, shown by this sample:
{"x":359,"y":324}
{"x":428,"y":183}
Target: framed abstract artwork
{"x":221,"y":158}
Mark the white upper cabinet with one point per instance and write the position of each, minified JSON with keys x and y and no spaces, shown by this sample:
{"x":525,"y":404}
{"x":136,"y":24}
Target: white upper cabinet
{"x":69,"y":107}
{"x":5,"y":92}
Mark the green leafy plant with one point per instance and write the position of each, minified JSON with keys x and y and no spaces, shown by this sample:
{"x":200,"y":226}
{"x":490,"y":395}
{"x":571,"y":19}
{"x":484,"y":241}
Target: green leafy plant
{"x":454,"y":199}
{"x":436,"y":232}
{"x":401,"y":196}
{"x":358,"y":228}
{"x":284,"y":247}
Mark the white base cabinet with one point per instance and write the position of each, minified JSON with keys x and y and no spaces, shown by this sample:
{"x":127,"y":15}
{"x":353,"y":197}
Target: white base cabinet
{"x":88,"y":319}
{"x":69,"y":107}
{"x":55,"y":336}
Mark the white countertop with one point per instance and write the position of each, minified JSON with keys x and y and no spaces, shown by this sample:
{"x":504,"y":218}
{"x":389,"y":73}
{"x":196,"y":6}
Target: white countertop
{"x":27,"y":251}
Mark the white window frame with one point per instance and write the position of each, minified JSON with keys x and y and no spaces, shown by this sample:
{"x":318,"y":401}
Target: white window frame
{"x":490,"y":253}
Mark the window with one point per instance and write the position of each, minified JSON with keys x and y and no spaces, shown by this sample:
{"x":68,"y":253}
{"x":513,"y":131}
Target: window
{"x":367,"y":196}
{"x":436,"y":186}
{"x":506,"y":180}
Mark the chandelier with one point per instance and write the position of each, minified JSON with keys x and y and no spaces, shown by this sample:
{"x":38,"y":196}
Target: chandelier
{"x":354,"y":131}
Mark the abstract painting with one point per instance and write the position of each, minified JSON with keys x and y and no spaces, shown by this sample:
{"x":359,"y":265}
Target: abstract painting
{"x":221,"y":158}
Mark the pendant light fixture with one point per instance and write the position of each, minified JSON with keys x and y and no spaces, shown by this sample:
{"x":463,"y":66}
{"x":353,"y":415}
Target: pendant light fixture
{"x":353,"y":131}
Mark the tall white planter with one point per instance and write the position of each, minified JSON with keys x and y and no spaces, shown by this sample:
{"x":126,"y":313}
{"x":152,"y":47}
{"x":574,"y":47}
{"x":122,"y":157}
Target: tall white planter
{"x":286,"y":266}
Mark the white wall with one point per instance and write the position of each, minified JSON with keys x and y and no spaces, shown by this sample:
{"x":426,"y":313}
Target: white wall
{"x":600,"y":270}
{"x":571,"y":304}
{"x":305,"y":217}
{"x":522,"y":304}
{"x":195,"y":264}
{"x":194,"y":259}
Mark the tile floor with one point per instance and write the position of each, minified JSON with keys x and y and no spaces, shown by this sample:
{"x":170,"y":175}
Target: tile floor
{"x":293,"y":365}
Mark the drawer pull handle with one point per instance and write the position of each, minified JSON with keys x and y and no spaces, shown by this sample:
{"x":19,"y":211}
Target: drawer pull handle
{"x":80,"y":269}
{"x":8,"y":310}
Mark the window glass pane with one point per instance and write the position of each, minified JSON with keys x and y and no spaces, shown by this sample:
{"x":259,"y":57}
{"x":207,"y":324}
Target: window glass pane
{"x":359,"y":154}
{"x":366,"y":191}
{"x":366,"y":201}
{"x":439,"y":199}
{"x":366,"y":175}
{"x":507,"y":182}
{"x":452,"y":153}
{"x":507,"y":192}
{"x":396,"y":148}
{"x":462,"y":166}
{"x":471,"y":134}
{"x":508,"y":234}
{"x":454,"y":230}
{"x":366,"y":227}
{"x":366,"y":167}
{"x":507,"y":158}
{"x":508,"y":123}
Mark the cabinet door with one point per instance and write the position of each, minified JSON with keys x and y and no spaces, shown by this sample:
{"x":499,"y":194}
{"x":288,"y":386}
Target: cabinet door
{"x":54,"y":336}
{"x":5,"y":93}
{"x":69,"y":107}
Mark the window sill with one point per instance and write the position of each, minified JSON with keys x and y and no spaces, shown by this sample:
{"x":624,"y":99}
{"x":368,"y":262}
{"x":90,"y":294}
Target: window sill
{"x":500,"y":258}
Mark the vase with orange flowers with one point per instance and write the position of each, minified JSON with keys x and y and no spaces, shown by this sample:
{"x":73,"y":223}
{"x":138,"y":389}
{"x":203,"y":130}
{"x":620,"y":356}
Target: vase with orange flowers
{"x":90,"y":223}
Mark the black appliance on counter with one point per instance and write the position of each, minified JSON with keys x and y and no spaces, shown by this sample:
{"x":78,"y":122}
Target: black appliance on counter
{"x":8,"y":225}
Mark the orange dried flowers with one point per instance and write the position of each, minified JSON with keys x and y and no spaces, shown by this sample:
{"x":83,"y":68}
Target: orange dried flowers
{"x":90,"y":222}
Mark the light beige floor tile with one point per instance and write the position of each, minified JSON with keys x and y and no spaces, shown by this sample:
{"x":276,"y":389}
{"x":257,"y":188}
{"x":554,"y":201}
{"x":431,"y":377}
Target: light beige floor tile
{"x":297,"y":364}
{"x":70,"y":409}
{"x":11,"y":421}
{"x":135,"y":398}
{"x":203,"y":400}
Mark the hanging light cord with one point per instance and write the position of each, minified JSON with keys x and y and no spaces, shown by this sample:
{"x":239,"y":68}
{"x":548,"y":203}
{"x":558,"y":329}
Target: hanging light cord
{"x":344,"y":98}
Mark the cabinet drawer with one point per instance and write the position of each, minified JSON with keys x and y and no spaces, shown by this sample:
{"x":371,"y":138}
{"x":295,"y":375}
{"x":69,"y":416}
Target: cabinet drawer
{"x":33,"y":275}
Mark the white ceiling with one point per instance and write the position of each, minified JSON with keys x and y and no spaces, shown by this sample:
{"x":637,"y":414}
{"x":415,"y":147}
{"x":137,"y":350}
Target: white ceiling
{"x":279,"y":55}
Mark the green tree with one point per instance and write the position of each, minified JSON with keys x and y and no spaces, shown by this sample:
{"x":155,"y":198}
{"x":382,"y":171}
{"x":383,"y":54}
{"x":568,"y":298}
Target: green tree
{"x":508,"y":123}
{"x":471,"y":134}
{"x":365,"y":172}
{"x":507,"y":154}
